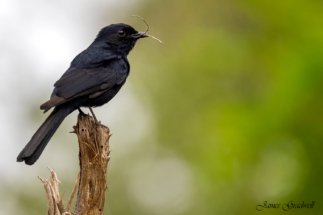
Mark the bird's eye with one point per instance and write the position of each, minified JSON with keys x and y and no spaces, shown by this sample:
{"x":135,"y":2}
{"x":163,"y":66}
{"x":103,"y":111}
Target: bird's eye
{"x":121,"y":33}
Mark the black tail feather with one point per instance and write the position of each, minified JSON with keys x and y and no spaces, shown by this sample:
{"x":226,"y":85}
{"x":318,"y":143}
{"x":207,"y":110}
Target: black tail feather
{"x":39,"y":140}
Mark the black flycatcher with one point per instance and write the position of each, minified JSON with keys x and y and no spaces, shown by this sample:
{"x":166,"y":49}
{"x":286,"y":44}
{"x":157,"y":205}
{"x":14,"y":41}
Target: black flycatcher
{"x":94,"y":77}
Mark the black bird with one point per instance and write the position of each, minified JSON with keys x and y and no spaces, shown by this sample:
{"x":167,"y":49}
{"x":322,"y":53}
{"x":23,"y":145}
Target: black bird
{"x":94,"y":77}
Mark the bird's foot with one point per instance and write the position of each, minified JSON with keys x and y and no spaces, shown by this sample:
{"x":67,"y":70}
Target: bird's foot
{"x":93,"y":115}
{"x":81,"y":112}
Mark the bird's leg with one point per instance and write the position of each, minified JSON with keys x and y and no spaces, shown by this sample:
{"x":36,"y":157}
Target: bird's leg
{"x":93,"y":114}
{"x":80,"y":111}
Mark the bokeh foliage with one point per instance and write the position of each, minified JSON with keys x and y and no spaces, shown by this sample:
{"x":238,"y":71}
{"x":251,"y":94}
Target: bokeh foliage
{"x":237,"y":91}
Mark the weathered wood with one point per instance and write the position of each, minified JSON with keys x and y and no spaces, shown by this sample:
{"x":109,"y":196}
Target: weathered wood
{"x":93,"y":141}
{"x":55,"y":204}
{"x":94,"y":150}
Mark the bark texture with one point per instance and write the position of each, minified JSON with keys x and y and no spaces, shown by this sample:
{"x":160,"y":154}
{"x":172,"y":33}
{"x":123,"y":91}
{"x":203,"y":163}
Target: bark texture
{"x":93,"y":141}
{"x":91,"y":185}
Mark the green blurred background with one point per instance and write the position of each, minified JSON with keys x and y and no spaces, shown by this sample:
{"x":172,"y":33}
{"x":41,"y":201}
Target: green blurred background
{"x":225,"y":115}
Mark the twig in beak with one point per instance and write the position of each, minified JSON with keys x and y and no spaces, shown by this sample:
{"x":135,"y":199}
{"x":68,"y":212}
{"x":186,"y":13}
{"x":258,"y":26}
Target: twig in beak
{"x":161,"y":42}
{"x":142,"y":19}
{"x":146,"y":32}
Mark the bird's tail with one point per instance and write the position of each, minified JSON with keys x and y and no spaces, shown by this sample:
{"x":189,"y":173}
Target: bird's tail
{"x":39,"y":140}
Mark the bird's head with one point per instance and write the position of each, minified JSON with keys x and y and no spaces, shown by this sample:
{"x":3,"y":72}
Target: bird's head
{"x":119,"y":37}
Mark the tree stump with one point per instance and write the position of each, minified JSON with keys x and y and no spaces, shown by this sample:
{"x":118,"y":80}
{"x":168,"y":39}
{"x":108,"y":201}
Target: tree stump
{"x":94,"y":150}
{"x":94,"y":153}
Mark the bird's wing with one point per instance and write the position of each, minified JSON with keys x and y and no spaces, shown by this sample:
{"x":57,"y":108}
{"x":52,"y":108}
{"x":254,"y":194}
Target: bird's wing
{"x":87,"y":82}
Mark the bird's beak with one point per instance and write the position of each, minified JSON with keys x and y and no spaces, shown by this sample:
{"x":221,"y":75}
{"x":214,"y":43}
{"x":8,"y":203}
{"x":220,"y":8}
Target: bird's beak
{"x":139,"y":35}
